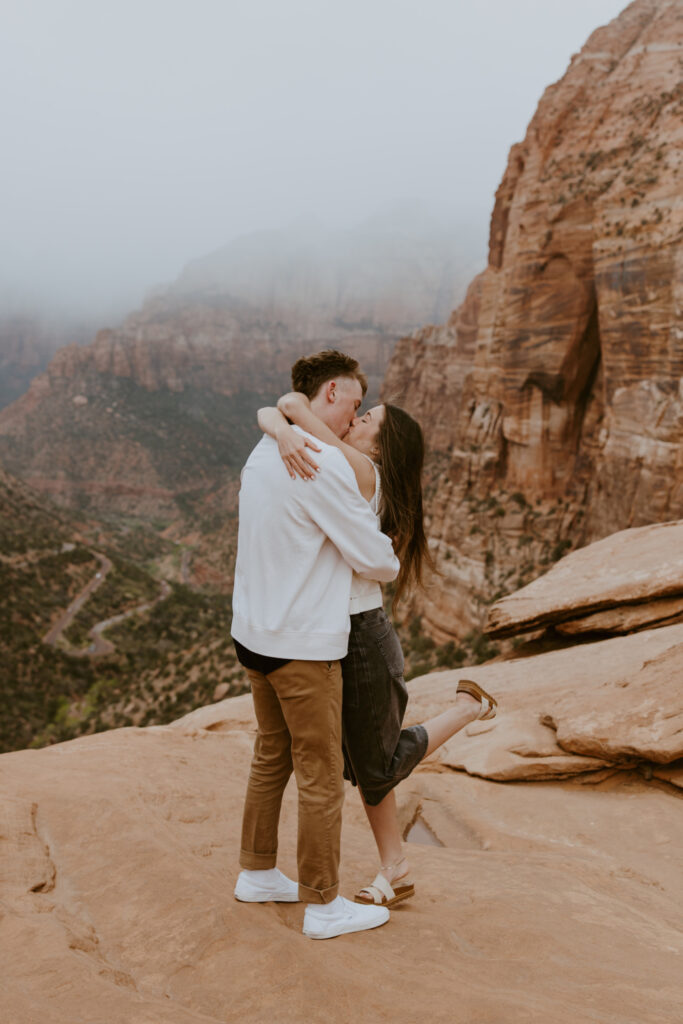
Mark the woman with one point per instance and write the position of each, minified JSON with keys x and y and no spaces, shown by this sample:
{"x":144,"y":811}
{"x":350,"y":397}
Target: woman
{"x":385,"y":449}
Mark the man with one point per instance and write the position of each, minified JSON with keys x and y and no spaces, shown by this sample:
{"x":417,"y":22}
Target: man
{"x":298,"y":543}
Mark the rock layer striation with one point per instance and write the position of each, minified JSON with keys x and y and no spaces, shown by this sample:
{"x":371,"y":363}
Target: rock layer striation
{"x":639,"y":570}
{"x":163,"y":408}
{"x":552,"y":400}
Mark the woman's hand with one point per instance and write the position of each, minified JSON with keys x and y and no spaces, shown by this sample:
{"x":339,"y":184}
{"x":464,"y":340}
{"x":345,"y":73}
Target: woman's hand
{"x":292,"y":447}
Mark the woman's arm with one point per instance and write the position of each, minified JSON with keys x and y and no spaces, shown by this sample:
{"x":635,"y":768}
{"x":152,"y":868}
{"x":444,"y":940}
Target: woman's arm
{"x":292,"y":446}
{"x":298,"y":409}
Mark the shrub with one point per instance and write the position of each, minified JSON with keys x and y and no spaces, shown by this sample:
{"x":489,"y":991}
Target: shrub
{"x":559,"y":549}
{"x":450,"y":656}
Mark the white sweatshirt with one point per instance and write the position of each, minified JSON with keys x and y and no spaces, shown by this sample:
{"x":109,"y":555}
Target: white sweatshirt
{"x":298,"y":543}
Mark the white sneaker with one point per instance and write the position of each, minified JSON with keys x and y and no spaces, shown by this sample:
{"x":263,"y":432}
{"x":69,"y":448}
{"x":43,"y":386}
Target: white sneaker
{"x":264,"y":886}
{"x":325,"y":921}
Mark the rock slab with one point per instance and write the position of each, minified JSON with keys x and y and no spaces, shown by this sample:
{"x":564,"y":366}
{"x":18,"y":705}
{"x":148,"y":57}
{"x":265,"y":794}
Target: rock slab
{"x":626,"y":618}
{"x":119,"y":854}
{"x":613,"y":703}
{"x":627,"y":568}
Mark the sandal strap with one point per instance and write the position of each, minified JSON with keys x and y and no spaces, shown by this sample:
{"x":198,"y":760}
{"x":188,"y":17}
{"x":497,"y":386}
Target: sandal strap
{"x":488,"y":703}
{"x":380,"y":890}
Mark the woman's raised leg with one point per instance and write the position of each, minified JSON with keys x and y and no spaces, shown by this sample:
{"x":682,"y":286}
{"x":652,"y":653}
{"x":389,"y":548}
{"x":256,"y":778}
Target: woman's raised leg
{"x":440,"y":728}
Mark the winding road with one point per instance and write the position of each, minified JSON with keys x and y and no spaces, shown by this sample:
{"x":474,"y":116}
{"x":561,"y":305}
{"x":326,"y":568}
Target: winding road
{"x":74,"y":608}
{"x":99,"y":645}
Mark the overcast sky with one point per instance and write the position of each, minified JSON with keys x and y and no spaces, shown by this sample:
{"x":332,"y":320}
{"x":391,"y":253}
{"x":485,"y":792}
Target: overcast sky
{"x":138,"y":134}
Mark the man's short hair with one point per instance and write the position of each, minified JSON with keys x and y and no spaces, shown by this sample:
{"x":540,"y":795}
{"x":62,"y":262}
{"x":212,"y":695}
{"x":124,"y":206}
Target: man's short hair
{"x":310,"y":372}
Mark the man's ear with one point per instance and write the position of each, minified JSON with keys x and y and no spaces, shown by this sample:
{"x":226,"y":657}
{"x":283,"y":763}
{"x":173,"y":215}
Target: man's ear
{"x":331,"y":391}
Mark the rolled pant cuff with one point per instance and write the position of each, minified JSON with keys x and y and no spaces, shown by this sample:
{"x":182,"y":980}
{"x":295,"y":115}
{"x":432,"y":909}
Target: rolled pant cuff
{"x":307,"y":895}
{"x":257,"y":861}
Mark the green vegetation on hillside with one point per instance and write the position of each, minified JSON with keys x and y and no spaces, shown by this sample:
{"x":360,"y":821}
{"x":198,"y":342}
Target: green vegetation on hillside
{"x":25,"y":524}
{"x":126,"y":586}
{"x":166,"y":661}
{"x":160,"y":663}
{"x":422,"y":654}
{"x":181,"y":444}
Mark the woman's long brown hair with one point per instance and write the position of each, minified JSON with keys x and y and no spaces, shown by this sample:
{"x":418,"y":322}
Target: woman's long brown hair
{"x":400,"y":461}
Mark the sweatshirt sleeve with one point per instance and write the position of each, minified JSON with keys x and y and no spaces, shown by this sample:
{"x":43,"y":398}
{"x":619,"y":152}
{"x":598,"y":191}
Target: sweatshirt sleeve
{"x":335,"y":504}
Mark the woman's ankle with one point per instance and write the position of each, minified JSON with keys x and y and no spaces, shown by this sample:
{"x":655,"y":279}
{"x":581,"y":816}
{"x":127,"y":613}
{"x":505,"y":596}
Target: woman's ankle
{"x":396,"y":869}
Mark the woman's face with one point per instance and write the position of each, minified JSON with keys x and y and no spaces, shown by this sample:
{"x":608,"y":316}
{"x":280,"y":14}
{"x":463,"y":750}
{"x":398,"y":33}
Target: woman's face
{"x":364,"y":431}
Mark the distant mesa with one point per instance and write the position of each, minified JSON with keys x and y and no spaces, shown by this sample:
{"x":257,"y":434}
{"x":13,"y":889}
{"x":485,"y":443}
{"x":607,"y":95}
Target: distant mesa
{"x":27,"y":344}
{"x":166,"y":405}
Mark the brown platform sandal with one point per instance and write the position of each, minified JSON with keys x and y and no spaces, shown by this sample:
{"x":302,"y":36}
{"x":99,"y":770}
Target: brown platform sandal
{"x":489,"y":704}
{"x":382,"y":894}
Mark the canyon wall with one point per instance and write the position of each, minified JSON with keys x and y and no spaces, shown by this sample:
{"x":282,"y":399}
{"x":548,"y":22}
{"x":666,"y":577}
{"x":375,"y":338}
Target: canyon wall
{"x":552,"y":399}
{"x":27,"y":344}
{"x":161,"y":410}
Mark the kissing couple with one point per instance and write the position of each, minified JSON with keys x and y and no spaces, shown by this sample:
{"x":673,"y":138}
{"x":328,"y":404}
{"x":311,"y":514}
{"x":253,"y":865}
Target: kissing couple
{"x":330,"y":507}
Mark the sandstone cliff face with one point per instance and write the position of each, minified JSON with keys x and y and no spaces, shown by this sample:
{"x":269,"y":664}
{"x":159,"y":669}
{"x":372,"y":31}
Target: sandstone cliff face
{"x":552,"y":400}
{"x":26,"y":346}
{"x":164,"y":406}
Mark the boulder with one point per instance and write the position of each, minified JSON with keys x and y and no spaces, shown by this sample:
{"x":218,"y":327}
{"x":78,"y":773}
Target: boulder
{"x":573,"y":711}
{"x":628,"y":567}
{"x":638,"y":713}
{"x":626,"y":618}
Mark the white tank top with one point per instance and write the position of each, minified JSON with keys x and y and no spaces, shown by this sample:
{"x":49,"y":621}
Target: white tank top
{"x":367,"y":594}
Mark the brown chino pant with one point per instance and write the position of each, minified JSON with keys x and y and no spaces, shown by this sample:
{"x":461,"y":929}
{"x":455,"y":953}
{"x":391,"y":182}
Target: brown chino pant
{"x":298,"y":710}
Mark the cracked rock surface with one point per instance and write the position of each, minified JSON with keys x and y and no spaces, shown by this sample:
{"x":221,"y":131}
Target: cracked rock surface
{"x":549,"y":899}
{"x":610,"y":704}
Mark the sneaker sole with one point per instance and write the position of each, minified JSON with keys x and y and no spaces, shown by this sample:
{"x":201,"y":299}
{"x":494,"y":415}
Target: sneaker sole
{"x":268,"y":898}
{"x":248,"y":890}
{"x":345,"y":931}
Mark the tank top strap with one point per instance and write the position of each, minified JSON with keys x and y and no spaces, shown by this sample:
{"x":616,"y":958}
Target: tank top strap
{"x":367,"y":594}
{"x":374,"y":503}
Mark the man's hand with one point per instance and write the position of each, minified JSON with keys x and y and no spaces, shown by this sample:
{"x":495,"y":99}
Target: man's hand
{"x":292,"y":447}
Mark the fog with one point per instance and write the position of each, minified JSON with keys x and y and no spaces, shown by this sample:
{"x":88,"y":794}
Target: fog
{"x":141,"y":134}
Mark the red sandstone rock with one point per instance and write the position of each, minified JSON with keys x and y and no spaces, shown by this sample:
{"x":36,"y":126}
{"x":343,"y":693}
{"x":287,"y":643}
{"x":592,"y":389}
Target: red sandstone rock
{"x":570,"y":711}
{"x":646,"y":721}
{"x":568,"y":390}
{"x":119,"y":855}
{"x":625,"y":619}
{"x":104,"y":425}
{"x":627,"y":568}
{"x":26,"y":346}
{"x":673,"y":774}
